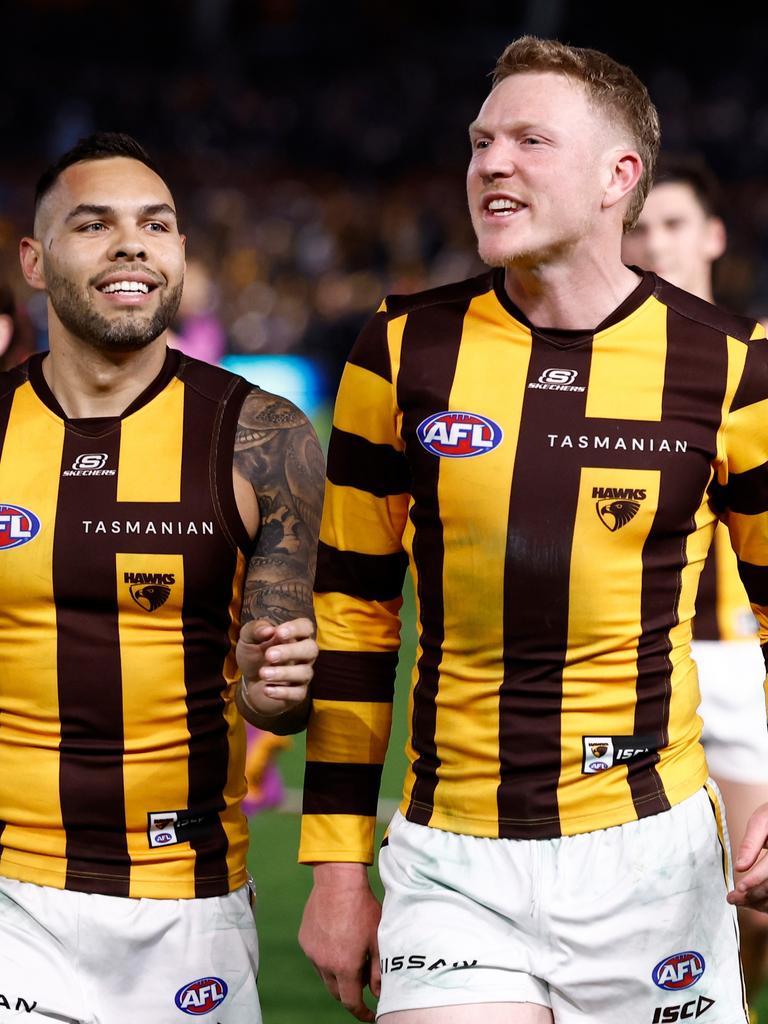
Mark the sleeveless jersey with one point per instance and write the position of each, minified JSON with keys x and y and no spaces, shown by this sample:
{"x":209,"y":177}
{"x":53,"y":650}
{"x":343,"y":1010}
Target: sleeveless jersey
{"x":122,"y":559}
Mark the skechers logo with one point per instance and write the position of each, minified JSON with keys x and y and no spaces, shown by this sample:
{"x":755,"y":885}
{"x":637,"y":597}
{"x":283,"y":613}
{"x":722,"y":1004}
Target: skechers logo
{"x":17,"y":526}
{"x":90,"y":464}
{"x":557,"y":379}
{"x":616,"y":506}
{"x":149,"y":590}
{"x":459,"y":435}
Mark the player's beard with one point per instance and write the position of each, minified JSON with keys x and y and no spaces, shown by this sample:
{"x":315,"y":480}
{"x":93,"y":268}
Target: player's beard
{"x":129,"y":332}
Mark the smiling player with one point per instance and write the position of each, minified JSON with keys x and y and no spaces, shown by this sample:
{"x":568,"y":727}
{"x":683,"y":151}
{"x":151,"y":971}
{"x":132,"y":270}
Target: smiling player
{"x":156,"y":560}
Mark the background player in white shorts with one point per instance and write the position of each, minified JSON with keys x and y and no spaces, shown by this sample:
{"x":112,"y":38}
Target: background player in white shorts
{"x":158,"y":535}
{"x":548,"y":446}
{"x":680,"y":235}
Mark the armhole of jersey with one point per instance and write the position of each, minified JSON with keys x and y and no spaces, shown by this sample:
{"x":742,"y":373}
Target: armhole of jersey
{"x":222,"y":457}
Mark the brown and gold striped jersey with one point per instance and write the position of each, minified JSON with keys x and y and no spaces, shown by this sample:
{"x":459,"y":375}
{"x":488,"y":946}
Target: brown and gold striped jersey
{"x":555,"y":493}
{"x":122,"y":559}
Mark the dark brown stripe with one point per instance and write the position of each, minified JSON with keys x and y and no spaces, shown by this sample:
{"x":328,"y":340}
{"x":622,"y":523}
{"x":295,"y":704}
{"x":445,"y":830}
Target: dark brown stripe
{"x":705,"y":624}
{"x":542,"y":510}
{"x":89,"y":677}
{"x":377,"y":468}
{"x":331,"y":788}
{"x":764,"y":650}
{"x":694,"y":389}
{"x":370,"y":351}
{"x":430,"y":350}
{"x":205,"y":618}
{"x":747,"y":493}
{"x":224,"y":432}
{"x":355,"y":675}
{"x":6,"y":402}
{"x":704,"y":313}
{"x":370,"y":577}
{"x":755,"y":580}
{"x":753,"y":386}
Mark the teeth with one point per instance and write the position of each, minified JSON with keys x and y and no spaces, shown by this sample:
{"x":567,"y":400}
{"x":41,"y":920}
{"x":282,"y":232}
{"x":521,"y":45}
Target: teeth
{"x":498,"y":205}
{"x":125,"y":286}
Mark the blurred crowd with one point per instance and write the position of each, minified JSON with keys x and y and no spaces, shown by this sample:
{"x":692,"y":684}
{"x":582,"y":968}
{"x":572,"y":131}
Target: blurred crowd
{"x":317,"y":169}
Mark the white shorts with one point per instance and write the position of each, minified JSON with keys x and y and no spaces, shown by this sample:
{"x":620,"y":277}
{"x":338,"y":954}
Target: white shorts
{"x":735,"y":736}
{"x":73,"y":957}
{"x":627,"y":923}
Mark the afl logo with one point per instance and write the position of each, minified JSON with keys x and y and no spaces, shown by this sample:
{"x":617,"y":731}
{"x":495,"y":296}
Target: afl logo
{"x":163,"y":837}
{"x":201,"y":996}
{"x":459,"y":435}
{"x":681,"y":970}
{"x":17,"y":526}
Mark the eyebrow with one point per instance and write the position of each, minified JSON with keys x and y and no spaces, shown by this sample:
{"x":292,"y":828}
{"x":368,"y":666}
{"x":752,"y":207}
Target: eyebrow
{"x":95,"y":210}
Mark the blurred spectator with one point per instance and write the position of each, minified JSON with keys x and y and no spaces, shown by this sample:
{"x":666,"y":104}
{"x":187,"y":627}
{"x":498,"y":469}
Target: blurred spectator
{"x":198,"y":332}
{"x":17,"y":337}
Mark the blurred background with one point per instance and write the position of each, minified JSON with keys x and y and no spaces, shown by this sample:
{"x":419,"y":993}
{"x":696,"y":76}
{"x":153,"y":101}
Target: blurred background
{"x":317,"y":154}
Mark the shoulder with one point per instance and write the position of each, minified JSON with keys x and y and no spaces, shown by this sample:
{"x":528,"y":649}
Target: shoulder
{"x":261,"y":410}
{"x":699,"y":311}
{"x":447,"y":294}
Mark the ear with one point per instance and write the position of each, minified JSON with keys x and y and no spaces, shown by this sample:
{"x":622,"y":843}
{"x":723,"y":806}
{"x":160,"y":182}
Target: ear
{"x":31,"y":257}
{"x":716,"y":239}
{"x":6,"y":332}
{"x":622,"y":175}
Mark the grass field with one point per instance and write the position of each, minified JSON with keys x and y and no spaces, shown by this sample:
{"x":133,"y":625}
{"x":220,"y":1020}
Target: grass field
{"x":291,"y":992}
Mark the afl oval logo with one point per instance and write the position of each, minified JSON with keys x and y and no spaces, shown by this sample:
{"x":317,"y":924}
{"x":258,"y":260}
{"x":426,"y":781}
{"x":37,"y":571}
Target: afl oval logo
{"x":201,"y":996}
{"x":17,"y":526}
{"x":681,"y":970}
{"x":459,"y":435}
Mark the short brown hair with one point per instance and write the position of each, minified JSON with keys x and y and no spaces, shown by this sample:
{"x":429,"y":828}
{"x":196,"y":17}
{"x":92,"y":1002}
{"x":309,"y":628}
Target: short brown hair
{"x":609,"y":85}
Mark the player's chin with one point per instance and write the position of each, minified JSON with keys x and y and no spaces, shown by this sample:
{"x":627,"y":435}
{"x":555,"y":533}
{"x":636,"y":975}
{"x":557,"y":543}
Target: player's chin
{"x":495,"y":254}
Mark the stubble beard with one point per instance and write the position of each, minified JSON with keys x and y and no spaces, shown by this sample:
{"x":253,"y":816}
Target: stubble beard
{"x":130,"y":332}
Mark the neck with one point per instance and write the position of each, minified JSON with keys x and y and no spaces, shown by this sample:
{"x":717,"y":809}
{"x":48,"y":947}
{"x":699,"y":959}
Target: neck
{"x":89,"y":382}
{"x":572,"y":294}
{"x":701,"y":284}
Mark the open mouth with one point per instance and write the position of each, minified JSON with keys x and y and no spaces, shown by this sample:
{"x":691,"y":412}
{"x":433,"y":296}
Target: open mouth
{"x":501,"y":208}
{"x":127,"y":291}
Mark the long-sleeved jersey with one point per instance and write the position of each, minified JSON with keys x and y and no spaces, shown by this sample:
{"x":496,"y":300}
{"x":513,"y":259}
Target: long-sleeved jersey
{"x":555,"y":493}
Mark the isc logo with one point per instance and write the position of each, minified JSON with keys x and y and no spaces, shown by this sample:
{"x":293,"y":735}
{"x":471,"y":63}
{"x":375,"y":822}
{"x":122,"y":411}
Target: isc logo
{"x":201,"y":996}
{"x":688,"y":1011}
{"x":459,"y":435}
{"x":17,"y":526}
{"x":681,"y":970}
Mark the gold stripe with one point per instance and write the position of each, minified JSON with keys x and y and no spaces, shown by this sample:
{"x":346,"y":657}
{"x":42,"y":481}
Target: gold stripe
{"x":345,"y":838}
{"x":639,"y":346}
{"x":604,"y":623}
{"x":734,"y":616}
{"x":152,"y":476}
{"x":721,"y":833}
{"x":347,"y":623}
{"x":745,"y":437}
{"x":30,"y":736}
{"x":470,"y":675}
{"x":367,"y":525}
{"x":749,"y":533}
{"x":156,"y":766}
{"x":367,"y":408}
{"x":353,"y":732}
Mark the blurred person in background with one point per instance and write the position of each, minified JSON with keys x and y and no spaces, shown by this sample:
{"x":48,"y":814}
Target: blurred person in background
{"x":17,"y":338}
{"x":198,"y":331}
{"x":680,"y":235}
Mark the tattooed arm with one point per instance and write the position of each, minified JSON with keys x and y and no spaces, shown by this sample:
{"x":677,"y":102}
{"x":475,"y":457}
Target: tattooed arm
{"x":278,"y":474}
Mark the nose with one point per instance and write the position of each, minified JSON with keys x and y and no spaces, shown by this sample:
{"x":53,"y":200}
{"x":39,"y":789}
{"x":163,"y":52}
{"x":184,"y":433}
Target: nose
{"x":494,"y":161}
{"x":128,"y":244}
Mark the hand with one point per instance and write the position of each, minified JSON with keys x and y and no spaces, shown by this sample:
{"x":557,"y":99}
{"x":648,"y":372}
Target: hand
{"x":276,"y":662}
{"x":752,"y":889}
{"x":338,"y":934}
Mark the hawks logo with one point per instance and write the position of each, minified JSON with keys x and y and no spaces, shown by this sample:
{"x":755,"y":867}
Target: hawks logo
{"x":616,"y":506}
{"x":459,"y":435}
{"x":598,"y":749}
{"x":149,"y":590}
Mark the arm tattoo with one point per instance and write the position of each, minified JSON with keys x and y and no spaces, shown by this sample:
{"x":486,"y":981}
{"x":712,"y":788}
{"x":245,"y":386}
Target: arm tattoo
{"x":277,"y":451}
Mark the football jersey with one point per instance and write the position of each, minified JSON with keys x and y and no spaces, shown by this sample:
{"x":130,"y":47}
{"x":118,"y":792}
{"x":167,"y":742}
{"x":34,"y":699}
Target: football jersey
{"x":122,"y":559}
{"x":555,"y":494}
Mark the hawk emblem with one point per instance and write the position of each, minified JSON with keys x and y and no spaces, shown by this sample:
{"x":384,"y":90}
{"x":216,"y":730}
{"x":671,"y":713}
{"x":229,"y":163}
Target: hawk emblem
{"x":598,"y":749}
{"x":151,"y":596}
{"x":614,"y":514}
